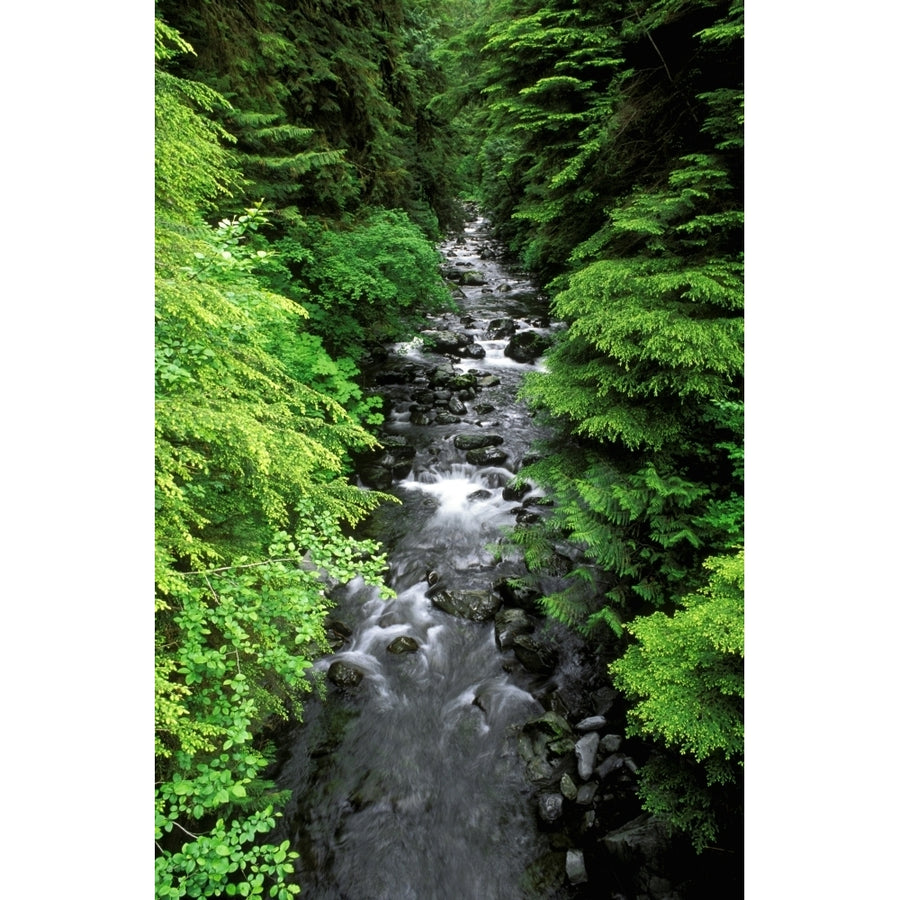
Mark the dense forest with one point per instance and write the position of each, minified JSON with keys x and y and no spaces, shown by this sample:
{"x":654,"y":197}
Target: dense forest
{"x":309,"y":155}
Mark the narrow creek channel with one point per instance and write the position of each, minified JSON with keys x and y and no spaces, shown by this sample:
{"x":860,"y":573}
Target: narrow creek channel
{"x":408,"y":784}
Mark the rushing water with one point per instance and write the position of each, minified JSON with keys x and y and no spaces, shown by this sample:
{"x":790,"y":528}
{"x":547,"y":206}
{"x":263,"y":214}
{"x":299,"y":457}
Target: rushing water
{"x":409,"y":785}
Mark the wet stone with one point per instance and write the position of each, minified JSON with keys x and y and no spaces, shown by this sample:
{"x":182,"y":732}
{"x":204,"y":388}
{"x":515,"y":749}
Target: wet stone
{"x":527,"y":346}
{"x":550,"y":807}
{"x":567,"y":787}
{"x":500,"y":328}
{"x":403,"y":644}
{"x":586,"y":754}
{"x":508,"y":624}
{"x":486,"y":456}
{"x":611,"y":743}
{"x":585,"y":795}
{"x":610,"y":765}
{"x":591,"y":723}
{"x":344,"y":675}
{"x":476,"y":441}
{"x":575,"y":868}
{"x":513,"y":492}
{"x":535,"y":657}
{"x":475,"y":605}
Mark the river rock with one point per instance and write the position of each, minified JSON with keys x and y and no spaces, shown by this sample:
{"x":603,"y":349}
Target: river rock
{"x":488,"y":381}
{"x":591,"y":723}
{"x":375,"y":476}
{"x":424,"y":398}
{"x":446,"y":419}
{"x":474,"y":351}
{"x":567,"y":787}
{"x":546,"y":751}
{"x":610,"y":764}
{"x":535,"y":657}
{"x":611,"y":743}
{"x":515,"y":492}
{"x":585,"y":795}
{"x":482,"y":494}
{"x":527,"y":346}
{"x":604,"y":699}
{"x":486,"y":456}
{"x":508,"y":624}
{"x":517,"y":595}
{"x":641,"y":848}
{"x":476,"y":441}
{"x":403,"y":644}
{"x":586,"y":754}
{"x":550,"y":807}
{"x":456,"y":406}
{"x":475,"y":605}
{"x":472,"y":278}
{"x":393,"y":459}
{"x":344,"y":675}
{"x":447,"y":341}
{"x":575,"y":868}
{"x":500,"y":328}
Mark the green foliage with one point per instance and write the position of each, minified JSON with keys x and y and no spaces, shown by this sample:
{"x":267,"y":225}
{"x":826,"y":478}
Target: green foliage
{"x":192,"y":167}
{"x":227,"y":860}
{"x":611,"y":163}
{"x":370,"y":280}
{"x":330,"y":102}
{"x":686,"y":669}
{"x":588,"y":100}
{"x":252,"y":513}
{"x":655,"y":308}
{"x":684,"y":673}
{"x":649,"y":528}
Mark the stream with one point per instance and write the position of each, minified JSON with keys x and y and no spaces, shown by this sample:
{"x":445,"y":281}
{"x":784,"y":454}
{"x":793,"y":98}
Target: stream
{"x":409,"y":784}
